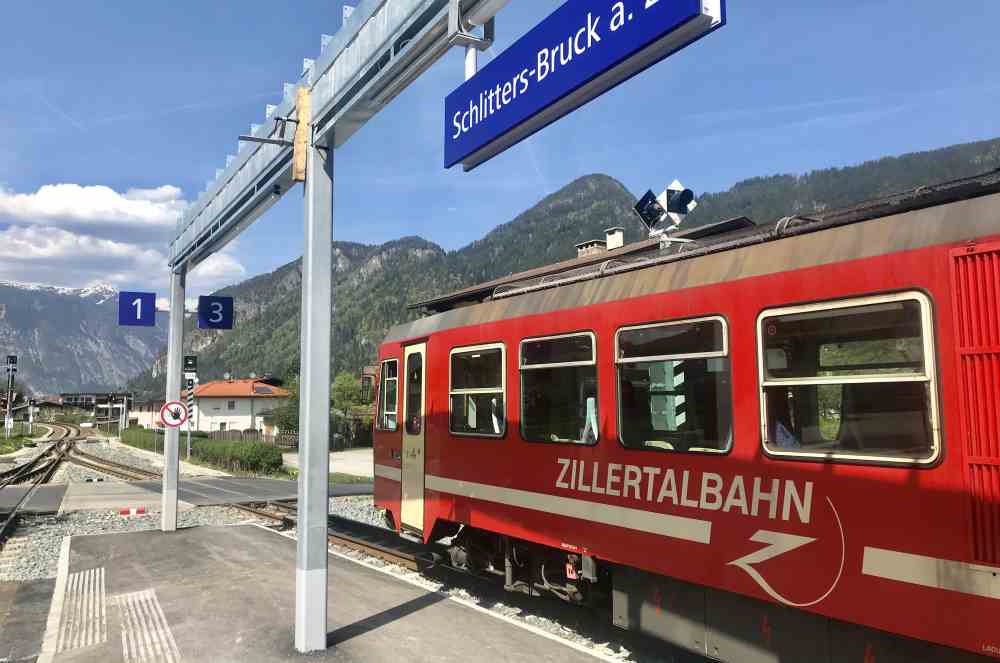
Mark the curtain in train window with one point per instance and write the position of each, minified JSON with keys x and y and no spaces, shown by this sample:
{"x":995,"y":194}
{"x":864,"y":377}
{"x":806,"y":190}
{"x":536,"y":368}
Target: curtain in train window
{"x":674,"y":391}
{"x":559,"y":389}
{"x":851,"y":379}
{"x":477,"y":391}
{"x":388,"y":396}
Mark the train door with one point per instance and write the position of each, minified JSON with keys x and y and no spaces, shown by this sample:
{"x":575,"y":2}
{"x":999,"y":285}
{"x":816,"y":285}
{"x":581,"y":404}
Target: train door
{"x":412,"y":516}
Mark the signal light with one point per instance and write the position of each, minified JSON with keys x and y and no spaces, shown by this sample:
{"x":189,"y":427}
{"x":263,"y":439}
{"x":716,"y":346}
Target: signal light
{"x":676,"y":202}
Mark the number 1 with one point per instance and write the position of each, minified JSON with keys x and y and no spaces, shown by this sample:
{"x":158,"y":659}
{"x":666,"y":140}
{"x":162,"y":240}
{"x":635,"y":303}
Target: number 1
{"x":137,"y":303}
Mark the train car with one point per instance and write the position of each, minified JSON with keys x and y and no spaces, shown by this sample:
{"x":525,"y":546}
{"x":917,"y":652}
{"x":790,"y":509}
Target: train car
{"x":769,"y":442}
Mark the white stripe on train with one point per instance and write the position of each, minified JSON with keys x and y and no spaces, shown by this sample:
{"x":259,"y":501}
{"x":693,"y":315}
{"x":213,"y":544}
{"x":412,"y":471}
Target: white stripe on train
{"x":973,"y":579}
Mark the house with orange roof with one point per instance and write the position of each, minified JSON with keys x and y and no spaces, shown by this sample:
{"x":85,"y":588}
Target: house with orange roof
{"x":221,"y":405}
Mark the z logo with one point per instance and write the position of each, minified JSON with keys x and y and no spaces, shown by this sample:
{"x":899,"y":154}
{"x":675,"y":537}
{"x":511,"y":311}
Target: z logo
{"x":780,"y":543}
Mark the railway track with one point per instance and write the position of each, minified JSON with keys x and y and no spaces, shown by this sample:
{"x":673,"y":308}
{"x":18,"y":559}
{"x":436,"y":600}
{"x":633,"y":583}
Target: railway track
{"x":36,"y":472}
{"x":369,"y":539}
{"x":118,"y":470}
{"x":372,"y":540}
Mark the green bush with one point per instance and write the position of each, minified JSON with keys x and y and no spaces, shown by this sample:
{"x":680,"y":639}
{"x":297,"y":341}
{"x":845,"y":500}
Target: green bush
{"x":250,"y":457}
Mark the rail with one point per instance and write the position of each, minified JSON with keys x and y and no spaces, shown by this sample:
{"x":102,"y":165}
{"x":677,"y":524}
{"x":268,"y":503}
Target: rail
{"x":41,"y":468}
{"x":113,"y":468}
{"x":369,"y":539}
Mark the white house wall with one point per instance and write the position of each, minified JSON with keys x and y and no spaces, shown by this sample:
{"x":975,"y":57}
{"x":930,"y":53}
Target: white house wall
{"x":210,"y":413}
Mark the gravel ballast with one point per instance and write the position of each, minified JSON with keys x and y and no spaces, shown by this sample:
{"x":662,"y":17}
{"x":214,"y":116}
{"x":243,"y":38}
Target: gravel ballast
{"x":360,"y":508}
{"x":118,"y":454}
{"x":38,"y":556}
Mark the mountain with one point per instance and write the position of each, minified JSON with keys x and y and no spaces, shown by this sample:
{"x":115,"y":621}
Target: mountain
{"x":68,"y":339}
{"x":373,"y":284}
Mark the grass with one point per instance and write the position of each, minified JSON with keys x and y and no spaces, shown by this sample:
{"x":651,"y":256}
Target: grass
{"x":18,"y":439}
{"x":341,"y":478}
{"x":334,"y":477}
{"x":11,"y":445}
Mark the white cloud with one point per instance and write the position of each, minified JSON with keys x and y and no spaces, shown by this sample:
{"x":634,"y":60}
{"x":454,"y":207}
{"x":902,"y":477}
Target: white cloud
{"x":144,"y":215}
{"x":74,"y":236}
{"x":54,"y":256}
{"x":218,"y":270}
{"x":161,"y":194}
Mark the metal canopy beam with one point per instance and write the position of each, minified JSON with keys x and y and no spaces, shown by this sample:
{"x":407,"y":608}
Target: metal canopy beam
{"x":382,"y":47}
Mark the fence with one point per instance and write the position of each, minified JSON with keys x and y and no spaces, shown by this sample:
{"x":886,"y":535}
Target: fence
{"x":344,"y":434}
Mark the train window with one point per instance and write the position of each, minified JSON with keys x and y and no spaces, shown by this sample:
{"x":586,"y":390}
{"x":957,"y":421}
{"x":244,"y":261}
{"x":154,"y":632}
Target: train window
{"x":477,"y":391}
{"x":850,"y":380}
{"x":674,"y":391}
{"x":414,"y":393}
{"x":559,"y":389}
{"x":388,"y":395}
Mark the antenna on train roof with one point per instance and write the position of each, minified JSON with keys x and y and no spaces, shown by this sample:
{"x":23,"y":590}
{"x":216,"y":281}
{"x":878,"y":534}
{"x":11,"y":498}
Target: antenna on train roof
{"x":675,"y":203}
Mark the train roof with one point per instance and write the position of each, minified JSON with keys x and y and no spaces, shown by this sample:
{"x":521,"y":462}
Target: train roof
{"x":730,"y":251}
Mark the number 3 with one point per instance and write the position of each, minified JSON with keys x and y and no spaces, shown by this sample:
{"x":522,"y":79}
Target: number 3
{"x":216,"y":316}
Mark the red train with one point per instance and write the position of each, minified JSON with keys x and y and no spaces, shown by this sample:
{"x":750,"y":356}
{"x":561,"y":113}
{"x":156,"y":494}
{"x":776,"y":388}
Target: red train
{"x":765,"y":443}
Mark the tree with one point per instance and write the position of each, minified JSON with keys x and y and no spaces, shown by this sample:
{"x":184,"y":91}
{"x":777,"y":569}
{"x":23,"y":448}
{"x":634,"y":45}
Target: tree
{"x":286,"y":417}
{"x":346,"y":391}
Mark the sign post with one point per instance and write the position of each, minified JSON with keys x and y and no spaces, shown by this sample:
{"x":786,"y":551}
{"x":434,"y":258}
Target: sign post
{"x":175,"y":344}
{"x":190,"y":383}
{"x":580,"y":51}
{"x":8,"y":421}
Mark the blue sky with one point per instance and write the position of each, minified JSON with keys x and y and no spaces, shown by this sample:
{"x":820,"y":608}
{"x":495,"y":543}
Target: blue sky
{"x":132,"y":106}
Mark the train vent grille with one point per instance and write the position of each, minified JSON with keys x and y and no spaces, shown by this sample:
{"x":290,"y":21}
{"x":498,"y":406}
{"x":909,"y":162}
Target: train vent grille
{"x":976,"y":284}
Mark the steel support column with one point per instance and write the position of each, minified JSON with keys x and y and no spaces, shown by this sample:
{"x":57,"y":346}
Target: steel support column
{"x":314,"y":405}
{"x":175,"y":350}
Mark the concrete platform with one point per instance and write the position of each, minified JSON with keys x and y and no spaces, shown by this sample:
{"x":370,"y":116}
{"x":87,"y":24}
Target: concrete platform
{"x":24,"y":610}
{"x":46,"y":499}
{"x":228,"y":593}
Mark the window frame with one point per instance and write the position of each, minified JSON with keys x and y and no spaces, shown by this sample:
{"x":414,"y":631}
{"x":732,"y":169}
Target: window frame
{"x":569,"y":364}
{"x":929,"y":376}
{"x":719,"y":354}
{"x":230,"y":406}
{"x":380,"y":396}
{"x":465,"y":349}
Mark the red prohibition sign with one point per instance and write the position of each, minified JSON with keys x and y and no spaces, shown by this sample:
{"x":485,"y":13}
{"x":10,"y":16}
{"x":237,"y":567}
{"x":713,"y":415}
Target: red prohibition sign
{"x":173,"y":414}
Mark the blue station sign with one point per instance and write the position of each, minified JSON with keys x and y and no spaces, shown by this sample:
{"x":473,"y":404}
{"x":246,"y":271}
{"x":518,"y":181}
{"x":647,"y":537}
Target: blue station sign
{"x":215,"y":312}
{"x":580,"y":51}
{"x":136,"y":309}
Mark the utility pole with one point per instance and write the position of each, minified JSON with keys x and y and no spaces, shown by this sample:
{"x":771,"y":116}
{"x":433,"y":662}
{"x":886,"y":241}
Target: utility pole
{"x":8,"y":418}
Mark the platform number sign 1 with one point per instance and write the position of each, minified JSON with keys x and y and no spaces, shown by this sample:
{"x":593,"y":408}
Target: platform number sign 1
{"x":215,"y":312}
{"x":136,"y":309}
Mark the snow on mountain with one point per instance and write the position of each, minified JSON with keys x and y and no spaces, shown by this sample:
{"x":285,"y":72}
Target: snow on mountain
{"x":100,"y":291}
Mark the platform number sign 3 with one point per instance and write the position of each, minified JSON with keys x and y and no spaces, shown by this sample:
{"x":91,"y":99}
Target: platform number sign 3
{"x":215,"y":312}
{"x":136,"y":309}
